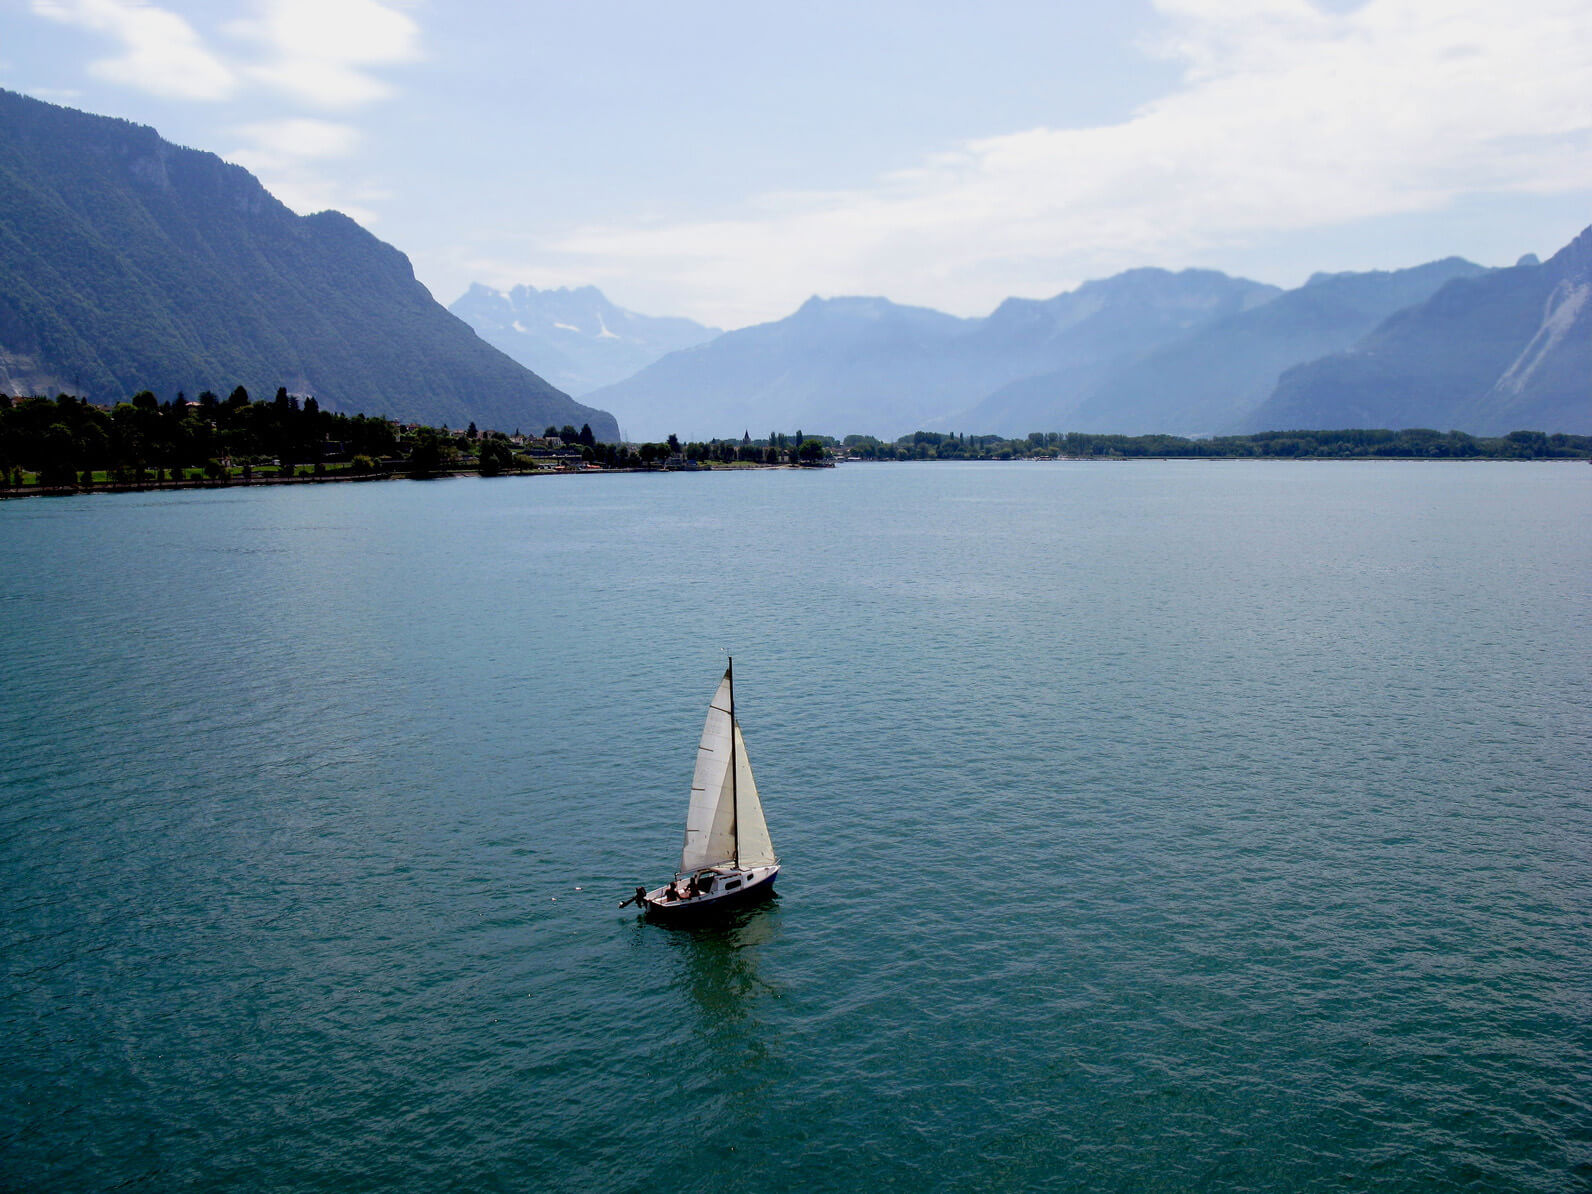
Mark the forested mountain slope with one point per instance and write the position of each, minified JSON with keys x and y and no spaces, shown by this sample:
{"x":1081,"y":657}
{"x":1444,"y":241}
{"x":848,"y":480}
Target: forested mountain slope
{"x":128,"y":263}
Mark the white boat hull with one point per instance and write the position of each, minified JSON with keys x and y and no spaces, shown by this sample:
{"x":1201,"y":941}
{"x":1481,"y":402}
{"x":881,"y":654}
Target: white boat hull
{"x":719,"y":888}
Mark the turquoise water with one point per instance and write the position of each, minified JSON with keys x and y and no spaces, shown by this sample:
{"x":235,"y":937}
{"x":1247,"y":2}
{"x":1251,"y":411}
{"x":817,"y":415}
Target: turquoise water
{"x":1165,"y":826}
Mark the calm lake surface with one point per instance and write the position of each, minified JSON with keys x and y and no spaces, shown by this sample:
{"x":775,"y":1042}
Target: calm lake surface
{"x":1158,"y":826}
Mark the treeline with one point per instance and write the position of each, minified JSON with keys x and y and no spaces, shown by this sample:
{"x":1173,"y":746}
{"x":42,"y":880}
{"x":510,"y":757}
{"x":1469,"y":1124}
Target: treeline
{"x":66,"y":441}
{"x":1409,"y":444}
{"x":777,"y":449}
{"x":493,"y":453}
{"x":69,"y":443}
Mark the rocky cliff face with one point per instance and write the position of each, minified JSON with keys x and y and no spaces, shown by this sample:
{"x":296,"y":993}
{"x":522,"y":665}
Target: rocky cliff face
{"x":1210,"y":380}
{"x":1505,"y":351}
{"x":1550,"y":383}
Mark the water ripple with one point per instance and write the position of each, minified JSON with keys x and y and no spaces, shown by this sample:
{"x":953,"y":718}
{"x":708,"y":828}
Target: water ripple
{"x":1167,"y":827}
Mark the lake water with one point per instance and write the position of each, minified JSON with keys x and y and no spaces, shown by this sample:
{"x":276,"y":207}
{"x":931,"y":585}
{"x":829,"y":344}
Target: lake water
{"x":1159,"y":826}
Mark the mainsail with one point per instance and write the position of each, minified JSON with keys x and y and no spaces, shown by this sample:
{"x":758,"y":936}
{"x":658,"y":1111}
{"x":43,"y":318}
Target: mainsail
{"x":724,"y":825}
{"x":710,"y":821}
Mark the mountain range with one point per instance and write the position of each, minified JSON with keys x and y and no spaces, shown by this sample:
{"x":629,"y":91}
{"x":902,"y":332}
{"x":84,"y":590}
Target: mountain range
{"x":1448,"y":344}
{"x":1203,"y":378}
{"x":128,"y":263}
{"x":1503,"y":351}
{"x":858,"y":363}
{"x":576,"y":337}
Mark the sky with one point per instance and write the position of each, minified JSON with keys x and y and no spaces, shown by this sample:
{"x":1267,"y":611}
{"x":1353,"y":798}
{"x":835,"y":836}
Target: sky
{"x":727,"y":160}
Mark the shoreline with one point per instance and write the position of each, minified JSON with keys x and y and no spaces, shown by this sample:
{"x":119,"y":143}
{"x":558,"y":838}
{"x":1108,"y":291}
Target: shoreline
{"x":13,"y":493}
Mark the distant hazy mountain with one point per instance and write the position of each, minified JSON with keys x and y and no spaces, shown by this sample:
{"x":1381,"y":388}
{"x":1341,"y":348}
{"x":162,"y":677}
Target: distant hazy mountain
{"x":1448,"y":344}
{"x":1069,"y":345}
{"x":129,"y":263}
{"x":576,"y":339}
{"x":1211,"y":380}
{"x":869,"y":366}
{"x":863,"y":364}
{"x":1503,"y":351}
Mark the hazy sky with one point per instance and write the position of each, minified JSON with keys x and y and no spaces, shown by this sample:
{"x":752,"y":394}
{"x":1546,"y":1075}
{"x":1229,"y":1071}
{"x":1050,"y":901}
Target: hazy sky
{"x":727,"y":160}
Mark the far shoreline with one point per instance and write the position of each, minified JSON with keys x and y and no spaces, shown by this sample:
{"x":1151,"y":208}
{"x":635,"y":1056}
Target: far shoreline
{"x":338,"y":478}
{"x":10,"y":493}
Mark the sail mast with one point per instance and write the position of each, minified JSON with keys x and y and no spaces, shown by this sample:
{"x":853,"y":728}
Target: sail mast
{"x":735,"y":801}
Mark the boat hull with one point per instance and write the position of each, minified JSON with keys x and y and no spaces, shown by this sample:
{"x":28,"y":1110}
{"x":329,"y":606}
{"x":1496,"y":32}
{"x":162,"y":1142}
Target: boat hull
{"x":730,"y":889}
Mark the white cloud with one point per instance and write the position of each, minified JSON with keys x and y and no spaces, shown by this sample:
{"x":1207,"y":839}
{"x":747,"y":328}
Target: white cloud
{"x":305,"y":192}
{"x":161,"y":52}
{"x":322,"y":51}
{"x":57,"y":95}
{"x":1288,"y":118}
{"x":283,"y":154}
{"x":300,"y":138}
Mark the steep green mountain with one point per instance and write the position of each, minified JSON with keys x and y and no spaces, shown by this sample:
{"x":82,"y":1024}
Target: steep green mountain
{"x":1503,"y":351}
{"x":129,"y":263}
{"x":575,"y":338}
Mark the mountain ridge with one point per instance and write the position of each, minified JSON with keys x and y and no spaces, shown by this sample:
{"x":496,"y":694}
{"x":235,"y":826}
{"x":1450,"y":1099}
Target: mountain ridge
{"x":773,"y":373}
{"x":868,"y":365}
{"x":1232,"y":365}
{"x":1507,"y":350}
{"x":1149,"y":351}
{"x":131,"y":263}
{"x":1086,"y":333}
{"x":573,"y":336}
{"x":127,"y":262}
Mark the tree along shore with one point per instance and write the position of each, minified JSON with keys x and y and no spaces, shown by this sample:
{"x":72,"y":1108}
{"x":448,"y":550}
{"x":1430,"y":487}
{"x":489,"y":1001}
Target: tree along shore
{"x":1414,"y":443}
{"x":65,"y":444}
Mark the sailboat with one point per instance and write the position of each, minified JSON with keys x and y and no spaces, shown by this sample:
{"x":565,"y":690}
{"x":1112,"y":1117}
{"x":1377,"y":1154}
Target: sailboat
{"x":728,"y":857}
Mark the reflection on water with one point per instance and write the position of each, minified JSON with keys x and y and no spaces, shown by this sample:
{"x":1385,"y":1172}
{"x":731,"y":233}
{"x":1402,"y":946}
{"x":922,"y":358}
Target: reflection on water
{"x":716,"y":966}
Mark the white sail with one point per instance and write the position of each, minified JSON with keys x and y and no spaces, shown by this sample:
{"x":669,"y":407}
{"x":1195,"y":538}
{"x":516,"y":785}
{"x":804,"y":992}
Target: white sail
{"x":710,"y":821}
{"x":755,"y":848}
{"x":724,"y":825}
